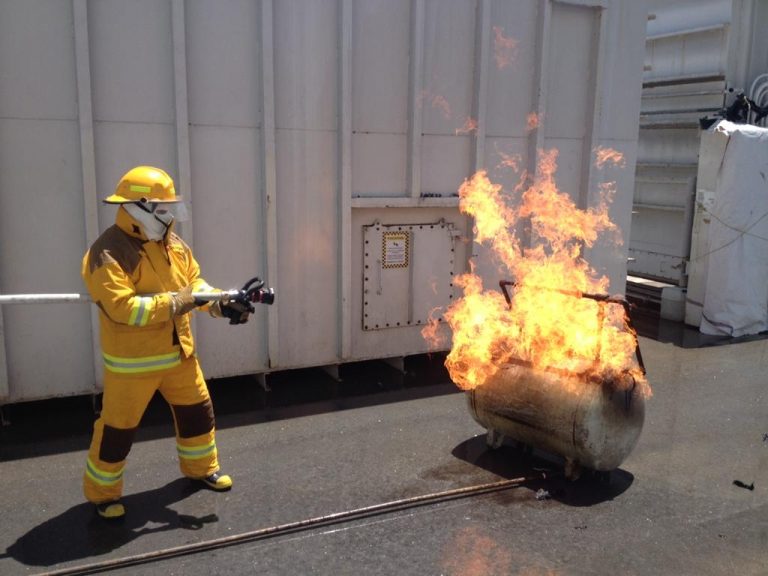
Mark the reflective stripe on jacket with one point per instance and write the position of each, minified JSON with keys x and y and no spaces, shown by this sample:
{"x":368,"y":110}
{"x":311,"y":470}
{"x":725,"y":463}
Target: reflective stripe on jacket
{"x":129,"y":277}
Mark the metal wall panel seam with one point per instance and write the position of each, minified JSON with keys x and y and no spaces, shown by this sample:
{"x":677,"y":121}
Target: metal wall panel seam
{"x":596,"y":92}
{"x":181,"y":120}
{"x":405,"y":202}
{"x":747,"y":55}
{"x":4,"y":391}
{"x":480,"y":104}
{"x":181,"y":106}
{"x":269,"y":172}
{"x":586,"y":3}
{"x":345,"y":179}
{"x":536,"y":136}
{"x":416,"y":66}
{"x":738,"y":43}
{"x":87,"y":155}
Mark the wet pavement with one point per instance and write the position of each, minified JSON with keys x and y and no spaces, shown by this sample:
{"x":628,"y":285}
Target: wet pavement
{"x":313,"y":447}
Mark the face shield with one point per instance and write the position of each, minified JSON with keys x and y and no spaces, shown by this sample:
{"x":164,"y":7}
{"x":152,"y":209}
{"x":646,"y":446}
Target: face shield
{"x":168,"y":212}
{"x":156,"y":217}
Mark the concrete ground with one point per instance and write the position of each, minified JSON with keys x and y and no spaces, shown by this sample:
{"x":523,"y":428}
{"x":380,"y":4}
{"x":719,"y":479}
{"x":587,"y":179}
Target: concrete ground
{"x":672,"y":508}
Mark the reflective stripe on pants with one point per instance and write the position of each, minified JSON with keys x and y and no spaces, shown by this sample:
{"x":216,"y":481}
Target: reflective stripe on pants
{"x":125,"y":399}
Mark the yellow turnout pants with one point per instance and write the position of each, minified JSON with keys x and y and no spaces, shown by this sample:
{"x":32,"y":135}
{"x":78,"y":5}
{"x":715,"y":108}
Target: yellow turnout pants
{"x":126,"y":397}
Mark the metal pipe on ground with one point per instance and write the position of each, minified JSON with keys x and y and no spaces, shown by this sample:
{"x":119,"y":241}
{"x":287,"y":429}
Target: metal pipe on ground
{"x":293,"y":527}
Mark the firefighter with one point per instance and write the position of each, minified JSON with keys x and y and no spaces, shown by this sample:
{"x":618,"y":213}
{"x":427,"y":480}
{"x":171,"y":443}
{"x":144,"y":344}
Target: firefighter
{"x":142,"y":277}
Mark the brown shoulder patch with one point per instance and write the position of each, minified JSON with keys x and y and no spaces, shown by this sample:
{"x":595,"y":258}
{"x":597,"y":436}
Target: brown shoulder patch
{"x":115,"y":246}
{"x":177,"y":241}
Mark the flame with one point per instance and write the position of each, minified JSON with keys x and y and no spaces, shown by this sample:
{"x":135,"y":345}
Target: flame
{"x":504,"y":48}
{"x":474,"y":551}
{"x":513,"y":161}
{"x":433,"y":330}
{"x":470,"y":125}
{"x":532,"y":121}
{"x":604,"y":154}
{"x":436,"y":101}
{"x":547,"y":324}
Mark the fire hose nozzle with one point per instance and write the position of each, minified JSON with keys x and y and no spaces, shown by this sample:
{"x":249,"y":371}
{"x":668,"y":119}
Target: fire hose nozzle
{"x":265,"y":296}
{"x":252,"y":291}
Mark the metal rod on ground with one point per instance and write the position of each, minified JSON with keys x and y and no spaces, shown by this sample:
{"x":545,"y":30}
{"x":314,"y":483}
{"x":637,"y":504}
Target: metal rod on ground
{"x":292,"y":527}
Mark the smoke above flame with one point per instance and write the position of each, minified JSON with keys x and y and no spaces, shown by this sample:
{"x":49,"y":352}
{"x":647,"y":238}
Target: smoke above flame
{"x":435,"y":101}
{"x":604,"y":155}
{"x":504,"y":48}
{"x":547,"y":324}
{"x":511,"y":161}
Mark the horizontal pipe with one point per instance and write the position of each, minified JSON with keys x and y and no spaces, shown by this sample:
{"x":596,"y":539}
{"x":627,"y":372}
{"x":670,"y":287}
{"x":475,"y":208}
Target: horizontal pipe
{"x":687,"y":32}
{"x":690,"y":125}
{"x":678,"y":111}
{"x":67,"y":298}
{"x":43,"y":298}
{"x":689,"y":94}
{"x":677,"y":80}
{"x":667,"y":165}
{"x":658,"y":207}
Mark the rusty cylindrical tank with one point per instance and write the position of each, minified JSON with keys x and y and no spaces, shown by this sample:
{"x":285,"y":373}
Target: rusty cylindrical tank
{"x":591,"y":423}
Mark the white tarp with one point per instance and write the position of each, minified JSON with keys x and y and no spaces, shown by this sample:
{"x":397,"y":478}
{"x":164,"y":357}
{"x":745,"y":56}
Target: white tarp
{"x":736,"y":295}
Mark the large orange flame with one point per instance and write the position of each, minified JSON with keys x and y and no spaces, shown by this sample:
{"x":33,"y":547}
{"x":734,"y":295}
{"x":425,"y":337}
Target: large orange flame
{"x":547,"y":324}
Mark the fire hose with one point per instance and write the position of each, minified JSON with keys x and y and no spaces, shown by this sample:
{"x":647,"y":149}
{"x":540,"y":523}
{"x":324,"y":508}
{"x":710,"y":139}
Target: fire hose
{"x":253,"y":291}
{"x":301,"y":525}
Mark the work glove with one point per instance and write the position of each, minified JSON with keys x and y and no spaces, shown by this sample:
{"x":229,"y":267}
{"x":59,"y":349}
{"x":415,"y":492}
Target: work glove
{"x":183,"y":302}
{"x":235,"y":311}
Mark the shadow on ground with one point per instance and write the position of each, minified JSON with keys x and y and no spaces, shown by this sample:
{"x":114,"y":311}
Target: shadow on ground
{"x":513,"y":462}
{"x":61,"y":425}
{"x":79,"y":533}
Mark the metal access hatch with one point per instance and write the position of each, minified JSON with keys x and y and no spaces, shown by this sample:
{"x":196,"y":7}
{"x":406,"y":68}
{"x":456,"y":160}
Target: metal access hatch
{"x":407,"y":273}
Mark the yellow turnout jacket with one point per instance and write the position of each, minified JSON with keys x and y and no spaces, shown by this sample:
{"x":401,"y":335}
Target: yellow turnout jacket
{"x":129,"y":277}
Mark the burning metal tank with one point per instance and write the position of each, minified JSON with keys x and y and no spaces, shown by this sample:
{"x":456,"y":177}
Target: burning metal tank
{"x":591,"y":420}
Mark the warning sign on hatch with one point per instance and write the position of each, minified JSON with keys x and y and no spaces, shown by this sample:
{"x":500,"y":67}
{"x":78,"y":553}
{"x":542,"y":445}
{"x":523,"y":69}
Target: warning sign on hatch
{"x":395,"y":246}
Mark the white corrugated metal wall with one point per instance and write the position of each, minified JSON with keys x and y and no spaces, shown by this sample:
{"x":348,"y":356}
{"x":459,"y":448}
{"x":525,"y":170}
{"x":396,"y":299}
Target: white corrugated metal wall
{"x":684,"y":79}
{"x":695,"y":51}
{"x":292,"y":128}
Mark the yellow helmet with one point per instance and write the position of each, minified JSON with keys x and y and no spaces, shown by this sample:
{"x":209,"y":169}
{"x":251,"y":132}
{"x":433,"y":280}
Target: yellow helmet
{"x":144,"y":184}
